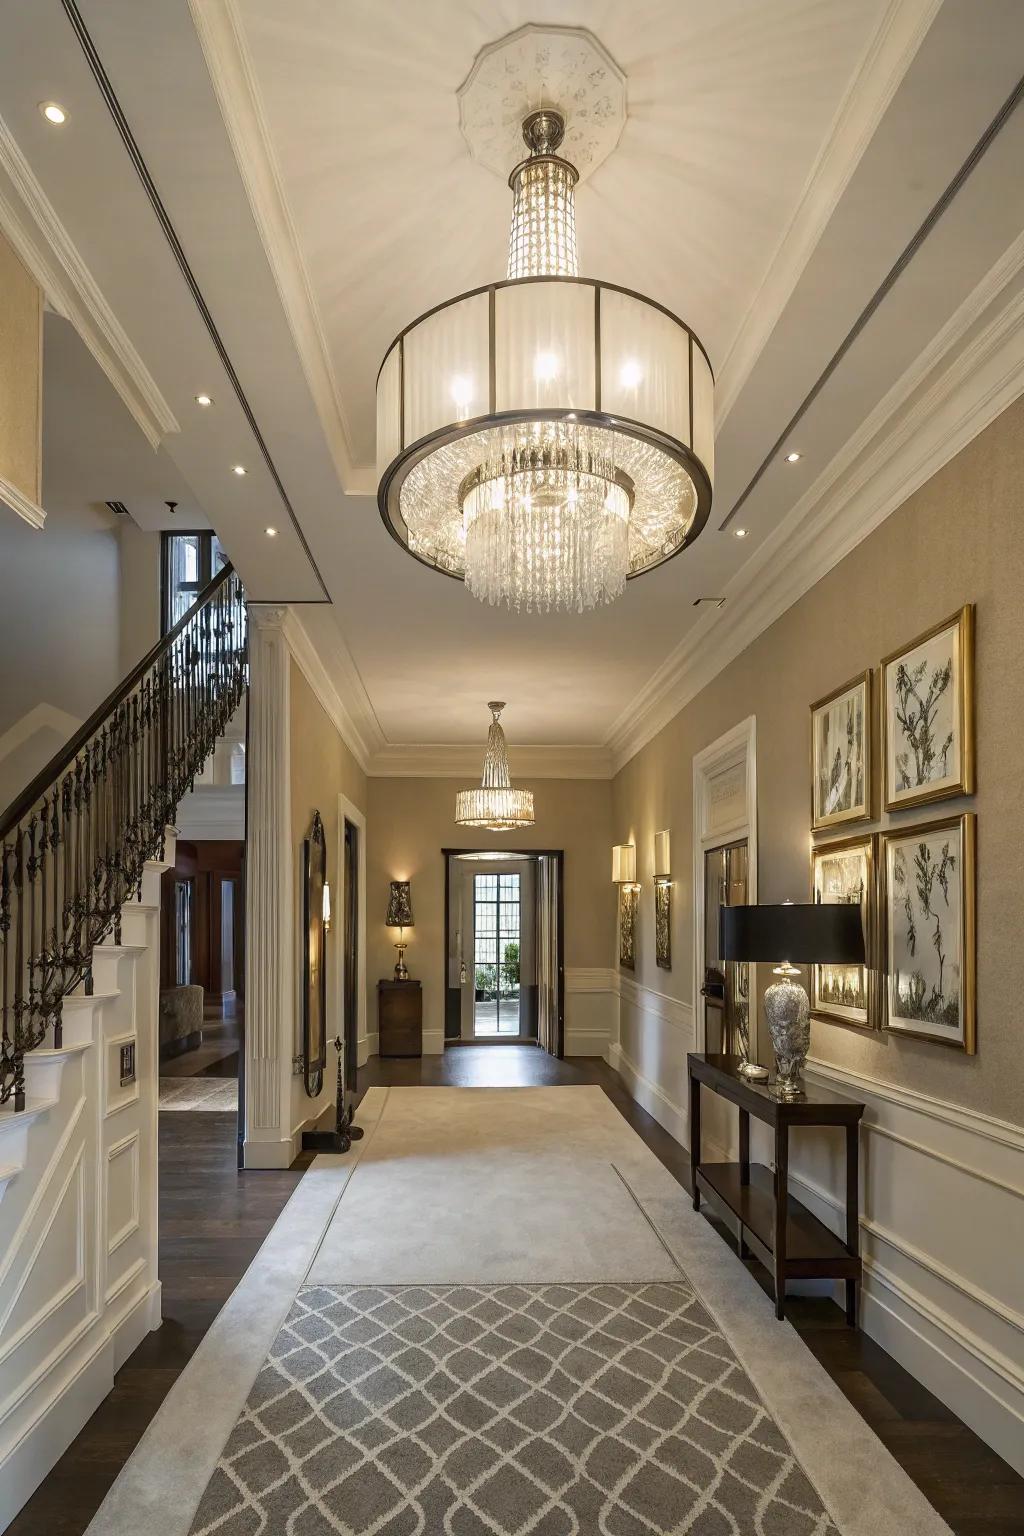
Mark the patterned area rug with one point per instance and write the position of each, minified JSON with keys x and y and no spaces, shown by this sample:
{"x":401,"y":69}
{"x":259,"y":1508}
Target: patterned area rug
{"x":465,"y":1410}
{"x":212,"y":1093}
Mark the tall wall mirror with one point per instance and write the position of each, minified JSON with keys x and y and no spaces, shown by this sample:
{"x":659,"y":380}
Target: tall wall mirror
{"x":314,"y":929}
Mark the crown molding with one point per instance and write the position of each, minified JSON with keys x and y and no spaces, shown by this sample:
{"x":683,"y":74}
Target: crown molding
{"x":969,"y":373}
{"x":23,"y":505}
{"x":465,"y":760}
{"x":889,"y":54}
{"x":221,"y":33}
{"x":352,"y":715}
{"x":30,"y":222}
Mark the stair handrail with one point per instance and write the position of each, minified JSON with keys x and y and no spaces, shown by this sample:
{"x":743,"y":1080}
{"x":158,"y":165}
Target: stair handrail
{"x":74,"y":844}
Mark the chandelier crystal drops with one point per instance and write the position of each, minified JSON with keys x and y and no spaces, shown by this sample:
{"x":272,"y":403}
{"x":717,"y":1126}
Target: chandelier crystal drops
{"x":495,"y":806}
{"x":548,"y":437}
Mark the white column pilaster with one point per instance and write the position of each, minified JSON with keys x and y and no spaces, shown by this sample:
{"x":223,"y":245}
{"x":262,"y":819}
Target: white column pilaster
{"x":269,"y":990}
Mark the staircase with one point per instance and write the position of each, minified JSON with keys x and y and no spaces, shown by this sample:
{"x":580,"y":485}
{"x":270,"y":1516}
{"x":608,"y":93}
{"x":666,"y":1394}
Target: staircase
{"x":81,"y":855}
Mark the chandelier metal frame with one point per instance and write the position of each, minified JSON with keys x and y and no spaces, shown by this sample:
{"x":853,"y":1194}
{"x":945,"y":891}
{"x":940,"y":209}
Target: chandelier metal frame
{"x":395,"y":473}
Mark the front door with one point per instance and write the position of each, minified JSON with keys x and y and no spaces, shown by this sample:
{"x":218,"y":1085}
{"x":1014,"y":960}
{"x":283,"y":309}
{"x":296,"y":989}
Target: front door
{"x":726,"y":984}
{"x":493,"y":946}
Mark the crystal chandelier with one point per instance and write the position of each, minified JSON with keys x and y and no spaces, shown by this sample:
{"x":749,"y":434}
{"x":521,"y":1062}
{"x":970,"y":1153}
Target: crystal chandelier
{"x":495,"y":806}
{"x":547,"y":437}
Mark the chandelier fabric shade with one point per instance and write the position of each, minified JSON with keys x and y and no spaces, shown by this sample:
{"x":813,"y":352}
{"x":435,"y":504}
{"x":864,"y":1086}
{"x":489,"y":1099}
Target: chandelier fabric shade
{"x":495,"y":806}
{"x":549,"y":437}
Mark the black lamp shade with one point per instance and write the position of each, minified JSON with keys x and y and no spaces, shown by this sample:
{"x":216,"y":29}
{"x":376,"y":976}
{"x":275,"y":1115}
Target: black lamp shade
{"x":399,"y":905}
{"x":804,"y":933}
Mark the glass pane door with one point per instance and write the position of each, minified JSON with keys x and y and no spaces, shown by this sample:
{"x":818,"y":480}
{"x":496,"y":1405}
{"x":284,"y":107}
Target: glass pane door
{"x":496,"y":952}
{"x":726,"y":985}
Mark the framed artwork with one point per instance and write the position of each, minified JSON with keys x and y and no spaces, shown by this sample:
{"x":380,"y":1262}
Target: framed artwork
{"x":663,"y":923}
{"x":844,"y":870}
{"x":930,"y":984}
{"x":928,"y":715}
{"x":841,"y":755}
{"x":629,"y":901}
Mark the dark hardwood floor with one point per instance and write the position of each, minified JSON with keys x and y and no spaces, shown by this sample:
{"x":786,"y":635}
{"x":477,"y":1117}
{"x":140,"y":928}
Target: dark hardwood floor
{"x":213,"y":1220}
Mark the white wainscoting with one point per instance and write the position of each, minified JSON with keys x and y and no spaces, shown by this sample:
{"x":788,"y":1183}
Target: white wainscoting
{"x":654,"y":1034}
{"x":591,"y":1010}
{"x":78,"y":1224}
{"x":942,"y":1234}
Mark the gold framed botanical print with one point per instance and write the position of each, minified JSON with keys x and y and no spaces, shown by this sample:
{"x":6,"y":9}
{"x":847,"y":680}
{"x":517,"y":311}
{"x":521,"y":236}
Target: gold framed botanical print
{"x":928,"y":930}
{"x":927,"y":707}
{"x":841,"y":755}
{"x":844,"y":870}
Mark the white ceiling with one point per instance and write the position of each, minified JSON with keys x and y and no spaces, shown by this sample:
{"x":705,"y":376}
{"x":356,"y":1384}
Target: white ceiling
{"x":776,"y":158}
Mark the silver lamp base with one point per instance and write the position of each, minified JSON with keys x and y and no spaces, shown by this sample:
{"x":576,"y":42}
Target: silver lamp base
{"x":788,"y":1013}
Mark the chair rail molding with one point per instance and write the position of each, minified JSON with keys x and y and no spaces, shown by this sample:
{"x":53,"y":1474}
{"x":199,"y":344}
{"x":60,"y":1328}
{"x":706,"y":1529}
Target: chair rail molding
{"x":269,"y":946}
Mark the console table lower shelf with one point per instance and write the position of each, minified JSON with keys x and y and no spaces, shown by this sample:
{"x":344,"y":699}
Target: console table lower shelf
{"x":755,"y":1202}
{"x":812,"y":1252}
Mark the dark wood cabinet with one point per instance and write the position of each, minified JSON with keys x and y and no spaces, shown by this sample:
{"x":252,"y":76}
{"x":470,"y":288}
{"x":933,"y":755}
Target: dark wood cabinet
{"x":400,"y":1018}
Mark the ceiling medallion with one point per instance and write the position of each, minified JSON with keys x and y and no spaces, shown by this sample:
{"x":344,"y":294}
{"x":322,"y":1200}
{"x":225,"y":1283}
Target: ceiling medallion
{"x":548,"y":437}
{"x":495,"y":806}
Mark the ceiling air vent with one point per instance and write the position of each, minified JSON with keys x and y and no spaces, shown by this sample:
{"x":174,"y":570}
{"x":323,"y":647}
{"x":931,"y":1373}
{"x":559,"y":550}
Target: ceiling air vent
{"x":118,"y":508}
{"x":708,"y":602}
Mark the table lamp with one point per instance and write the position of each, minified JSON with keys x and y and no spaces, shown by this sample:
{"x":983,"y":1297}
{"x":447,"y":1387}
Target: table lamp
{"x":400,"y":917}
{"x":809,"y":932}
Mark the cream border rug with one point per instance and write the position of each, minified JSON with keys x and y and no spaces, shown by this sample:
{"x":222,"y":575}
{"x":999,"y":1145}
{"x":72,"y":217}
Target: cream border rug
{"x":863,"y":1489}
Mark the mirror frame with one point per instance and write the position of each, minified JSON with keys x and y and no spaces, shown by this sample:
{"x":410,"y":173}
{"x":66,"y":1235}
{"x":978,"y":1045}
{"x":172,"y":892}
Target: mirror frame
{"x":314,"y":990}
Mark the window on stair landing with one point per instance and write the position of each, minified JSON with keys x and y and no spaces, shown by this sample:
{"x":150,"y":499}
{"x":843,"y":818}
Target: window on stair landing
{"x":189,"y":563}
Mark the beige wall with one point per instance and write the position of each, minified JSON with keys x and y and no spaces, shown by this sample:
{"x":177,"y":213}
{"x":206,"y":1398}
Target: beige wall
{"x":21,"y":381}
{"x":321,"y":768}
{"x":410,"y":821}
{"x":957,"y":540}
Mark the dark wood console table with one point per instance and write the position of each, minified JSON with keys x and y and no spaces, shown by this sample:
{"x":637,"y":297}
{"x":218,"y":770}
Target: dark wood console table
{"x":782,"y":1233}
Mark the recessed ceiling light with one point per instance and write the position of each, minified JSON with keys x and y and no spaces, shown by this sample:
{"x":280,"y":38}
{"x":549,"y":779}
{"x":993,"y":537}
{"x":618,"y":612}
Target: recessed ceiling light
{"x":740,"y":533}
{"x":793,"y":458}
{"x":271,"y":533}
{"x":238,"y":469}
{"x":53,"y":112}
{"x":204,"y":399}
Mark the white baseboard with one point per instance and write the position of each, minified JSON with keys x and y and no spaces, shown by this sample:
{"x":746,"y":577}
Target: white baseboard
{"x":433,"y":1042}
{"x":366,"y":1046}
{"x":70,"y":1401}
{"x":270,"y":1154}
{"x":951,"y":1363}
{"x":586,"y":1042}
{"x":649,"y":1096}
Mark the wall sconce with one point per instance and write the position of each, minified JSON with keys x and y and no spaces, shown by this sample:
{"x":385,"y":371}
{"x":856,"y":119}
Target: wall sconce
{"x":662,"y":856}
{"x":624,"y":876}
{"x":624,"y":864}
{"x":327,"y":907}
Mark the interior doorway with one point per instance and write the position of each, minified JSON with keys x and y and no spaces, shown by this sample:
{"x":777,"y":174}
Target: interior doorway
{"x":202,"y":975}
{"x":503,"y":948}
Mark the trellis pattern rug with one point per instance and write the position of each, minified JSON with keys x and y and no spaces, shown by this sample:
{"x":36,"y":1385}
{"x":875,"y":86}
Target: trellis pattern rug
{"x":502,"y":1410}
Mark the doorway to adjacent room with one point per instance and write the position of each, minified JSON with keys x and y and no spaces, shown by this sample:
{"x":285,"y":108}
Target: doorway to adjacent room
{"x":503,"y":948}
